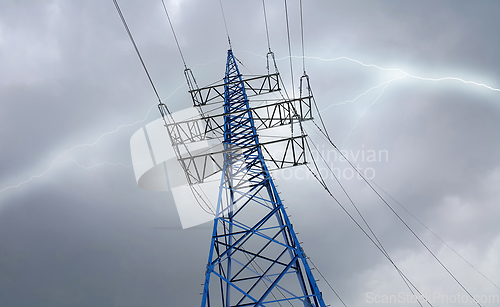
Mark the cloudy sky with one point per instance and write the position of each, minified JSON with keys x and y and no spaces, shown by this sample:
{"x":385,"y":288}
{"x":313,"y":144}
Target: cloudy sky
{"x":75,"y":230}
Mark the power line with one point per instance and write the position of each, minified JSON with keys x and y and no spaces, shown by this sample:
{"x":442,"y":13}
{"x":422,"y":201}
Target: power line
{"x":379,"y":246}
{"x":434,"y":234}
{"x":136,"y":49}
{"x":225,"y":24}
{"x":329,"y":285}
{"x":173,"y":32}
{"x":267,"y":28}
{"x":325,"y":134}
{"x":322,"y":182}
{"x":402,"y":221}
{"x":289,"y":48}
{"x":302,"y":38}
{"x":161,"y":104}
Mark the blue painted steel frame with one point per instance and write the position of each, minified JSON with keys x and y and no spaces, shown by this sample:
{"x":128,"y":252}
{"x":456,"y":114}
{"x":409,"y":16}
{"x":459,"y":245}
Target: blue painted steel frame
{"x":240,"y":270}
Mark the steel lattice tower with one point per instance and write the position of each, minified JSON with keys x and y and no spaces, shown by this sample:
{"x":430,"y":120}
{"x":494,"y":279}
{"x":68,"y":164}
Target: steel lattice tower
{"x":255,"y":258}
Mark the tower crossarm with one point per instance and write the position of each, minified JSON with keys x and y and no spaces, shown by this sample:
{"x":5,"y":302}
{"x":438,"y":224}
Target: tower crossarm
{"x":255,"y":85}
{"x":278,"y":153}
{"x":267,"y":115}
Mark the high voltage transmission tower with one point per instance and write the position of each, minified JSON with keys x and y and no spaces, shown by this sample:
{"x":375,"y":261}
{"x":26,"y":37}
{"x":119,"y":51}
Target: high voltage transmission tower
{"x":255,"y":258}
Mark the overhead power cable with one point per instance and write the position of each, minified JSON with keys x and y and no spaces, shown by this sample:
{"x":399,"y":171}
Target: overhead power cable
{"x":173,"y":32}
{"x":400,"y":218}
{"x":329,"y":285}
{"x":267,"y":28}
{"x":270,"y":54}
{"x":225,"y":24}
{"x":325,"y":134}
{"x":289,"y":48}
{"x":410,"y":229}
{"x":161,"y":105}
{"x":434,"y":234}
{"x":377,"y":243}
{"x":137,"y":50}
{"x":302,"y":38}
{"x":379,"y":246}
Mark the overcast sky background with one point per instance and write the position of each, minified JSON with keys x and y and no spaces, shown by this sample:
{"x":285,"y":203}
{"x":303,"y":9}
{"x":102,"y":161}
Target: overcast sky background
{"x":72,"y":92}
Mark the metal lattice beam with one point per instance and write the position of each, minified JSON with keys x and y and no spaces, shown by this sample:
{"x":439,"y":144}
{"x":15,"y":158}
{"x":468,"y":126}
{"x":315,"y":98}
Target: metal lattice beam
{"x":255,"y":258}
{"x":265,"y":116}
{"x":216,"y":93}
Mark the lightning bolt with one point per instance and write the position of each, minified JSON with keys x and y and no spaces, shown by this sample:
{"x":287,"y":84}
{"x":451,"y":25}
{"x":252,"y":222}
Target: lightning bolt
{"x":364,"y":110}
{"x":384,"y":84}
{"x":100,"y":164}
{"x":57,"y":159}
{"x":383,"y":69}
{"x":205,"y":64}
{"x":403,"y":72}
{"x":360,"y":95}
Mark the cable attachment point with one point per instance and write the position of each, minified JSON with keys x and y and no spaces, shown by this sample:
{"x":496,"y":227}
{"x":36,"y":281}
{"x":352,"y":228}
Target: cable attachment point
{"x":164,"y":111}
{"x":190,"y":79}
{"x":270,"y":56}
{"x":307,"y":84}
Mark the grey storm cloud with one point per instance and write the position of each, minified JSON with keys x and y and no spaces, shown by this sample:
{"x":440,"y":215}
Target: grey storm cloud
{"x":75,"y":230}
